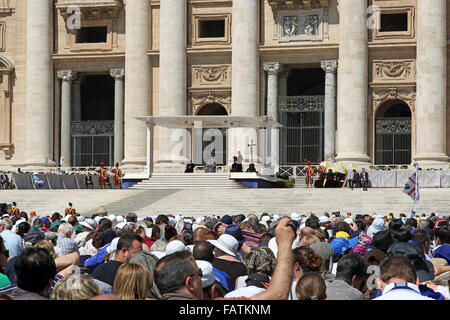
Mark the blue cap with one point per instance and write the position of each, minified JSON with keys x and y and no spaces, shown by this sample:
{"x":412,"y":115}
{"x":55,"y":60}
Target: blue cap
{"x":340,"y":245}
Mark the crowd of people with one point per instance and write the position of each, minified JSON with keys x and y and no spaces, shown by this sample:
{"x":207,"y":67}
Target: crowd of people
{"x":245,"y":257}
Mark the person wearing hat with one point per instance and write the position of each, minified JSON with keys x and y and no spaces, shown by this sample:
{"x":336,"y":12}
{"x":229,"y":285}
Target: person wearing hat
{"x":377,"y":225}
{"x":210,"y":285}
{"x":70,"y":211}
{"x":309,"y":175}
{"x":45,"y":224}
{"x":236,"y":232}
{"x":118,"y":174}
{"x":102,"y":180}
{"x":87,"y":227}
{"x":227,"y":256}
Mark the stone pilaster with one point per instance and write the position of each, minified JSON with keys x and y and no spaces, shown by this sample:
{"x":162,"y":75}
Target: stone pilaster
{"x":353,"y":82}
{"x":245,"y":73}
{"x":39,"y":86}
{"x":137,"y":86}
{"x":431,"y":102}
{"x":172,"y":75}
{"x":66,"y":76}
{"x":118,"y":75}
{"x":330,"y":68}
{"x":273,"y":69}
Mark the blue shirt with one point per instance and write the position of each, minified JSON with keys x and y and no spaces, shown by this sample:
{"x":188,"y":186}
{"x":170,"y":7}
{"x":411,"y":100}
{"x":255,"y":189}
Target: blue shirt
{"x":13,"y":242}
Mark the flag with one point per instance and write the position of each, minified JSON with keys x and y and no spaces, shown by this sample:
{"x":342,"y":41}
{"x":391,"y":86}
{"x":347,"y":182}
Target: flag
{"x":412,"y":186}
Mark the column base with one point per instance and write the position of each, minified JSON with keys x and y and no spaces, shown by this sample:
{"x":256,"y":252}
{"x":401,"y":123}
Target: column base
{"x":432,"y":161}
{"x":357,"y":159}
{"x":138,"y":163}
{"x":38,"y":164}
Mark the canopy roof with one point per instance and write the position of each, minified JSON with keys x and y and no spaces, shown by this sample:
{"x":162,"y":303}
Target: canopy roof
{"x":177,"y":122}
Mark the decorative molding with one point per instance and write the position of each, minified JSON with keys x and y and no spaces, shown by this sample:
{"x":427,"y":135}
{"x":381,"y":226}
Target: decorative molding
{"x":393,"y":126}
{"x":6,"y":90}
{"x":394,"y":70}
{"x":297,"y":4}
{"x":2,"y":36}
{"x":5,"y":7}
{"x":92,"y":128}
{"x":211,"y":76}
{"x":382,"y":94}
{"x":409,"y":34}
{"x":329,"y":65}
{"x":301,"y":104}
{"x":200,"y":99}
{"x":106,"y":9}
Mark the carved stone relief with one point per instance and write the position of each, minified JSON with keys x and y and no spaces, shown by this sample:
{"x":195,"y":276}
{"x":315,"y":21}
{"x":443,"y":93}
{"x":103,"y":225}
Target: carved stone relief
{"x":300,"y":25}
{"x":394,"y":70}
{"x":383,"y":94}
{"x":211,"y":76}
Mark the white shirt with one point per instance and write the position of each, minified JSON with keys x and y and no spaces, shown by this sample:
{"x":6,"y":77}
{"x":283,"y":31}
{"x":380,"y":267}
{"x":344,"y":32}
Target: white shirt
{"x":402,"y":291}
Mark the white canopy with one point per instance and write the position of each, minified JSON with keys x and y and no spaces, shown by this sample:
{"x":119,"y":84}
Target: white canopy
{"x":178,"y":122}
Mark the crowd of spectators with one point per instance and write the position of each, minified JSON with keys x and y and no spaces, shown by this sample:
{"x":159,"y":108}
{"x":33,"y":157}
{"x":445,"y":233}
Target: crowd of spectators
{"x":246,"y":257}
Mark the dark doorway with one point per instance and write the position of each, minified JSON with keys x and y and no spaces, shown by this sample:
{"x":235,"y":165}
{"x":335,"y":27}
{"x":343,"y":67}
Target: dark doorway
{"x":302,"y":115}
{"x":97,"y":98}
{"x":393,"y":134}
{"x":93,"y":136}
{"x":210,"y":144}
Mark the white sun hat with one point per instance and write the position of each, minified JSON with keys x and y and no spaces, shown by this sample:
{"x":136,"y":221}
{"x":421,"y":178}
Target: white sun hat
{"x":227,"y":243}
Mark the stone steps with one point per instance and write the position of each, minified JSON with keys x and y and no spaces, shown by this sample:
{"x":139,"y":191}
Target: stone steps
{"x":206,"y":201}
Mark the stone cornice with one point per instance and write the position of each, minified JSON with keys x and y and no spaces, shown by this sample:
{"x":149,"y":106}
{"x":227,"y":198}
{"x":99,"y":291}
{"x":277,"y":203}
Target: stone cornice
{"x":298,"y":4}
{"x":93,"y":9}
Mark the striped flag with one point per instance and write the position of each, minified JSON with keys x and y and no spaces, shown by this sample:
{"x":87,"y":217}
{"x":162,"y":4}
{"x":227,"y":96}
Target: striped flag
{"x":412,"y":186}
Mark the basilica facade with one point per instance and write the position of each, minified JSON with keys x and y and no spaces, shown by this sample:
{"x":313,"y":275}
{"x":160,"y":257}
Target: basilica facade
{"x":363,"y":81}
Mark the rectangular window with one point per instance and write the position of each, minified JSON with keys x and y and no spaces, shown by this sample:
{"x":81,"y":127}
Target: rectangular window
{"x":394,"y":22}
{"x":211,"y":29}
{"x":92,"y":35}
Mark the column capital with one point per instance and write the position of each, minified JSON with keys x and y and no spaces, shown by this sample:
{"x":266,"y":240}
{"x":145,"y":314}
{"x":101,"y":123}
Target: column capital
{"x":117,"y":74}
{"x":272,"y":68}
{"x":329,"y":65}
{"x":67,"y":75}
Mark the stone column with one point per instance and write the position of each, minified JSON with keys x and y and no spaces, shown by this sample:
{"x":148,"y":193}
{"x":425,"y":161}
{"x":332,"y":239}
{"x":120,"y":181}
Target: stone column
{"x":330,"y":68}
{"x":76,"y":99}
{"x":353,"y":82}
{"x":272,"y":69}
{"x":172,"y":77}
{"x":39,"y":84}
{"x":431,"y":83}
{"x":118,"y":75}
{"x":66,"y":77}
{"x":283,"y":92}
{"x":137,"y":86}
{"x":245,"y":73}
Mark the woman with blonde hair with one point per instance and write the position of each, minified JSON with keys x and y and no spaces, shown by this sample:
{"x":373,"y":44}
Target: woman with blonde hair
{"x":133,"y":281}
{"x":75,"y":287}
